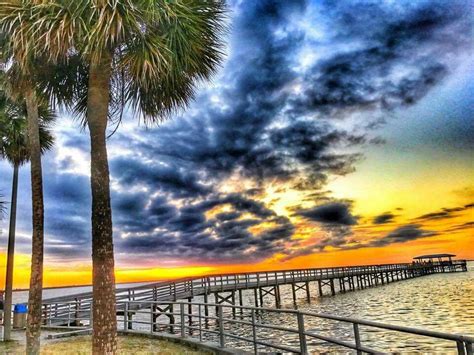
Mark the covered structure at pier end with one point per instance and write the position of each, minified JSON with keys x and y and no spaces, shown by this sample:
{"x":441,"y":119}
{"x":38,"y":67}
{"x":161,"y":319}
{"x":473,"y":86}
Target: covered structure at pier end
{"x":446,"y":258}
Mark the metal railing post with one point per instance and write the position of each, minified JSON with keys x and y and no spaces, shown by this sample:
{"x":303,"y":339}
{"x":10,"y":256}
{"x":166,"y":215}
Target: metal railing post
{"x":181,"y":313}
{"x":468,"y":348}
{"x":200,"y":323}
{"x":125,"y":317}
{"x":152,"y":318}
{"x":68,"y":315}
{"x":460,"y":346}
{"x":357,"y":338}
{"x":254,"y":333}
{"x":301,"y":333}
{"x":221,"y":327}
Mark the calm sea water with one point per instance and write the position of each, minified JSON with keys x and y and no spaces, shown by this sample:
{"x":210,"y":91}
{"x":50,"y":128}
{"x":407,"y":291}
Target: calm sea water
{"x":443,"y":302}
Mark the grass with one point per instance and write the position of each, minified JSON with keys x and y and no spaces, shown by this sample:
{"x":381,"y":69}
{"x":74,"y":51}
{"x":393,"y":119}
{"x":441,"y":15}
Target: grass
{"x":81,"y":345}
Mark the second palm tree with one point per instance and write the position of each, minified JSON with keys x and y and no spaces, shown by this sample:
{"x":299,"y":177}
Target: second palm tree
{"x":14,"y":148}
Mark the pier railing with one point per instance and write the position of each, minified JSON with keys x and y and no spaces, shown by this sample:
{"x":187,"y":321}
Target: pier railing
{"x":257,"y":329}
{"x":78,"y":306}
{"x":191,"y":321}
{"x":188,"y":287}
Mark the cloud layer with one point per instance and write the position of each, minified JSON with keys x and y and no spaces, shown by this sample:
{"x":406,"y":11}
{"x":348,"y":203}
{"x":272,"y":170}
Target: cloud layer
{"x":291,"y":107}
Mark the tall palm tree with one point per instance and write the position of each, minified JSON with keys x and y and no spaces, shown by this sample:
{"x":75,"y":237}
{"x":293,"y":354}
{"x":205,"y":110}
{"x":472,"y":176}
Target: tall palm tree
{"x":19,"y":64}
{"x":147,"y":55}
{"x":14,"y":148}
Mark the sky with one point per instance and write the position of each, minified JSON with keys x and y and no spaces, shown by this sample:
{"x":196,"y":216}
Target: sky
{"x":335,"y":133}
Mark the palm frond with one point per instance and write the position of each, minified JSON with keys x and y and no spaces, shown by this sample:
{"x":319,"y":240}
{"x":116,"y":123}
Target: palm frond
{"x":179,"y":45}
{"x":161,"y":49}
{"x":14,"y":145}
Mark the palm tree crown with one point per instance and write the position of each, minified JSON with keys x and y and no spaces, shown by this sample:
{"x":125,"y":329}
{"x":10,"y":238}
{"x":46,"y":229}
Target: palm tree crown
{"x":13,"y":130}
{"x":159,"y":49}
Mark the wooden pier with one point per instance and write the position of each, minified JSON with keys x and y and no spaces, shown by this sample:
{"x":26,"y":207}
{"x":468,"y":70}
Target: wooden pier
{"x":75,"y":310}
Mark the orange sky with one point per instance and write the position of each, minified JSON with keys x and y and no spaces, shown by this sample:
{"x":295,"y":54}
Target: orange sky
{"x":458,"y":242}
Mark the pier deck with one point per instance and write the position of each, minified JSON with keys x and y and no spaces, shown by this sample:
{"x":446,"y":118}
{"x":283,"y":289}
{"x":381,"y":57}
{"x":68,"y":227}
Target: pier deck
{"x":75,"y":309}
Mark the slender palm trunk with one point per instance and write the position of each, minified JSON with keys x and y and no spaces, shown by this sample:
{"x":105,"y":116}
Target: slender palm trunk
{"x":104,"y":339}
{"x":36,"y":279}
{"x":7,"y":322}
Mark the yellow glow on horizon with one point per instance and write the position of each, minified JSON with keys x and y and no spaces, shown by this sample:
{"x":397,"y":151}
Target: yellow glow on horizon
{"x":379,"y":186}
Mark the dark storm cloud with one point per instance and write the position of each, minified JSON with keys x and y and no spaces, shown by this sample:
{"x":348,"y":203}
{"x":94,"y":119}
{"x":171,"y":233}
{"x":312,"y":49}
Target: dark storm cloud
{"x":463,"y":226}
{"x":444,"y":213}
{"x":336,"y":213}
{"x":67,"y":210}
{"x":383,"y":218}
{"x":403,"y":234}
{"x":335,"y":219}
{"x":187,"y":233}
{"x":393,"y":57}
{"x":342,"y":240}
{"x":170,"y":178}
{"x":238,"y":133}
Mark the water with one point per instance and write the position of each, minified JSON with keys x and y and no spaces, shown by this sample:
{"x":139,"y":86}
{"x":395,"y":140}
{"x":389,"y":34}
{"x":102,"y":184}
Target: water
{"x":441,"y":302}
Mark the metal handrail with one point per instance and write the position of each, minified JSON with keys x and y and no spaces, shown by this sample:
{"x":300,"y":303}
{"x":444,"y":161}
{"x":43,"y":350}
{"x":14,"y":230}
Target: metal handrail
{"x":463,"y":343}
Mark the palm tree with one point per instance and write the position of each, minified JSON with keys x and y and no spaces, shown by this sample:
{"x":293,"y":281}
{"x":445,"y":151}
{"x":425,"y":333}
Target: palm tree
{"x":145,"y":55}
{"x":14,"y":148}
{"x":18,"y":66}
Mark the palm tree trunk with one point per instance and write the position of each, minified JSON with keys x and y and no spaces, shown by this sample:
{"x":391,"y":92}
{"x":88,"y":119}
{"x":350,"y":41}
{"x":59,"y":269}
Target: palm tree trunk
{"x":7,"y":321}
{"x":104,"y":319}
{"x":36,"y":279}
